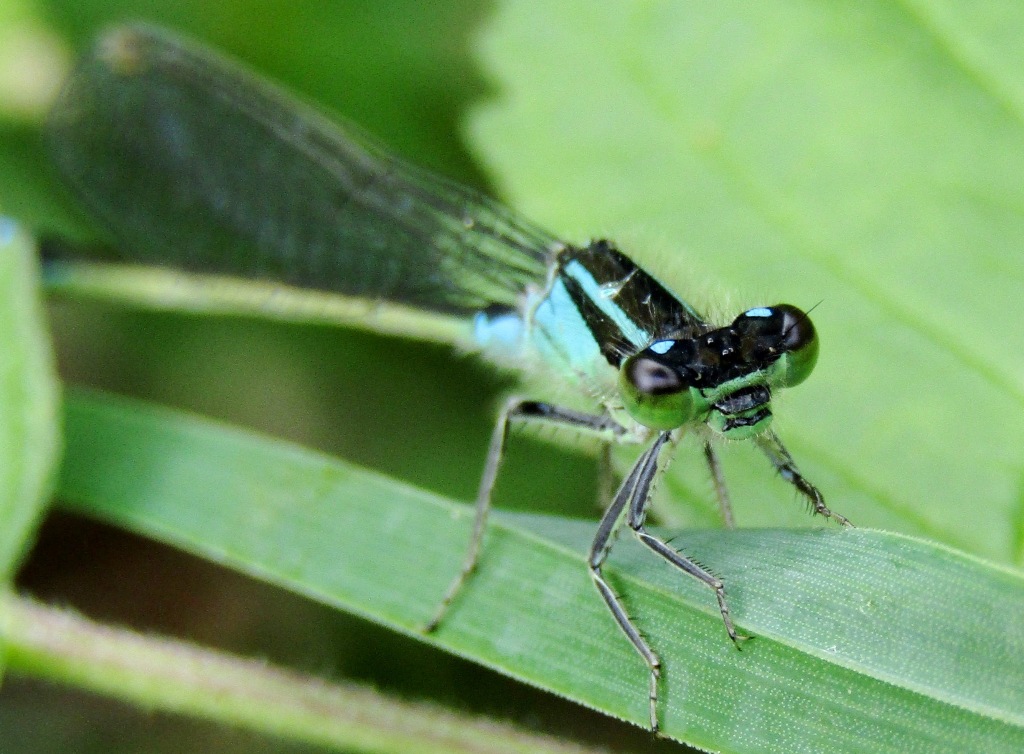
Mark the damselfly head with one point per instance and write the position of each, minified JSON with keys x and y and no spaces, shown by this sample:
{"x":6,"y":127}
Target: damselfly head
{"x":724,"y":377}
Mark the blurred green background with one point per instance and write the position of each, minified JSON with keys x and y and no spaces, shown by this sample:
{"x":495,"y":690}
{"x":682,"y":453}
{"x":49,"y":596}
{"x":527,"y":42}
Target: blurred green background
{"x":404,"y":71}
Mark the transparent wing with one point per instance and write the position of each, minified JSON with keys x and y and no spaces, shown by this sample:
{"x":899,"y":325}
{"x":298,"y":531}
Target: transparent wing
{"x":194,"y":163}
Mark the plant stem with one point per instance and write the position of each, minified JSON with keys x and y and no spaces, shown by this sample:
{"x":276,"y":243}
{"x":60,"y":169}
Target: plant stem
{"x":167,"y":674}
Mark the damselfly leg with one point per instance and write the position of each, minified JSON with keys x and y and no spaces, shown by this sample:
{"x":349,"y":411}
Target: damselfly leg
{"x":514,"y":410}
{"x":772,"y":446}
{"x":633,"y":497}
{"x":721,"y":491}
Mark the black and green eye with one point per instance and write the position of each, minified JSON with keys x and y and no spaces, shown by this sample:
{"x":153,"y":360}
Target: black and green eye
{"x":782,"y":334}
{"x":654,"y":392}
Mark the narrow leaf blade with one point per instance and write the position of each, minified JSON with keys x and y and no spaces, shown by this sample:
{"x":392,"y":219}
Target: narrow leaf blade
{"x":29,"y":433}
{"x":862,"y":636}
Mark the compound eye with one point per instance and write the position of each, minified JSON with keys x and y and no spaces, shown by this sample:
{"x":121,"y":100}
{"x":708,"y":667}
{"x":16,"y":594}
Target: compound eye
{"x":651,"y":377}
{"x":796,"y":330}
{"x":654,"y":393}
{"x":785,"y":332}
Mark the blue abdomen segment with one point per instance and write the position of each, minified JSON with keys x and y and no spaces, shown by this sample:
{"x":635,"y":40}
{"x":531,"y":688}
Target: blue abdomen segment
{"x":550,"y":333}
{"x":500,"y":332}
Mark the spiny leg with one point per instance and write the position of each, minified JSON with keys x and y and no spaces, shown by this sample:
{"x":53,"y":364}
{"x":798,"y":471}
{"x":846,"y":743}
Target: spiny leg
{"x":640,"y":475}
{"x":721,"y":491}
{"x":636,"y":517}
{"x":514,"y":409}
{"x":772,"y":446}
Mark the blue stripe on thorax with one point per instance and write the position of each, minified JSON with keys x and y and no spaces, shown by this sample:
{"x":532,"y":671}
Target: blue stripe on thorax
{"x":556,"y":333}
{"x":604,"y":298}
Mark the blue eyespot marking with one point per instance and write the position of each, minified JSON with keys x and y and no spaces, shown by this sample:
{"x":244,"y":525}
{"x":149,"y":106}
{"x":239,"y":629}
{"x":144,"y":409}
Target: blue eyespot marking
{"x":662,"y":347}
{"x":761,"y":311}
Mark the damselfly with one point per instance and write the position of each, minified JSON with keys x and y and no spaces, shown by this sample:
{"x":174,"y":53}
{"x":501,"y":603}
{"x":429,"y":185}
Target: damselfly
{"x":196,"y":164}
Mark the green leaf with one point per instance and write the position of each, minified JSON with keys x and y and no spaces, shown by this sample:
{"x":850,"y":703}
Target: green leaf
{"x":29,"y":435}
{"x":865,"y":641}
{"x":864,"y":156}
{"x":166,"y":674}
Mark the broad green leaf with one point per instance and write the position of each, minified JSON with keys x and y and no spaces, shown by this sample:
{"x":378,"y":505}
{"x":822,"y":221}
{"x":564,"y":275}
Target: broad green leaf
{"x":28,"y":399}
{"x":866,"y":156}
{"x":865,"y":641}
{"x":862,"y":157}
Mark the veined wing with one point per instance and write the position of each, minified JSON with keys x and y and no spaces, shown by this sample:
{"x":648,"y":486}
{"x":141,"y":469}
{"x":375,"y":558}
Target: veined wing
{"x":195,"y":164}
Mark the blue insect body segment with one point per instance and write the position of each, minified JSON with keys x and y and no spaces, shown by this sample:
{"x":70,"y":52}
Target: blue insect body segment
{"x":597,"y":308}
{"x":562,"y":336}
{"x":500,"y":332}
